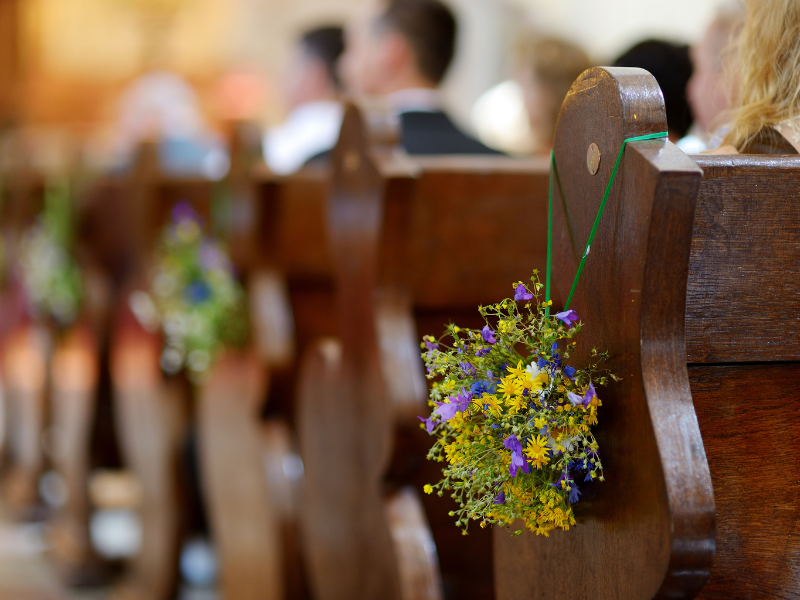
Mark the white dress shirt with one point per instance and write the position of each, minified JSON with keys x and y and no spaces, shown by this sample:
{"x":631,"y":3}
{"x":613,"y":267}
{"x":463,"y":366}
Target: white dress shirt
{"x":415,"y":100}
{"x":310,"y":129}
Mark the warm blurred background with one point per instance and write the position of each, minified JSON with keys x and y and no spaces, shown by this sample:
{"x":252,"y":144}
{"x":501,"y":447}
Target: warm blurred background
{"x":66,"y":62}
{"x":74,"y":73}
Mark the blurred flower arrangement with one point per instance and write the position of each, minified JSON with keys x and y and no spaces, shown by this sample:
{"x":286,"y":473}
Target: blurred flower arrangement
{"x":51,"y":278}
{"x":195,"y":298}
{"x":512,"y":420}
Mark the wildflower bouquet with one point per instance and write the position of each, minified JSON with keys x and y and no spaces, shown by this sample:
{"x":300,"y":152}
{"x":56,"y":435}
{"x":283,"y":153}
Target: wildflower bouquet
{"x":51,"y":277}
{"x":512,"y":420}
{"x":195,"y":297}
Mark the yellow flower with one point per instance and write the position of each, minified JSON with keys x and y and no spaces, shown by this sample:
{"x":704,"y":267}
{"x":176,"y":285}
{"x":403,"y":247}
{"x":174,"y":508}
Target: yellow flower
{"x":519,"y":372}
{"x":516,"y":404}
{"x":493,"y":402}
{"x":540,"y":381}
{"x":538,"y":451}
{"x":539,"y":422}
{"x":428,"y":489}
{"x":508,"y":387}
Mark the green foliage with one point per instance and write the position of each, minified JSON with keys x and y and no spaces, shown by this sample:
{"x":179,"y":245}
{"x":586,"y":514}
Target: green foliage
{"x":195,"y":298}
{"x":50,"y":275}
{"x":513,"y":422}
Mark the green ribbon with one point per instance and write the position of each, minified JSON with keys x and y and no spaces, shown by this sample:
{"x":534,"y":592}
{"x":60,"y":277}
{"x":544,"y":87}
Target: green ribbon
{"x":554,"y":173}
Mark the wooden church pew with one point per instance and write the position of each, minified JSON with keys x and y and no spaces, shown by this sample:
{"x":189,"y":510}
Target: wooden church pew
{"x":693,"y":294}
{"x":416,"y":243}
{"x":250,"y":519}
{"x":26,"y":346}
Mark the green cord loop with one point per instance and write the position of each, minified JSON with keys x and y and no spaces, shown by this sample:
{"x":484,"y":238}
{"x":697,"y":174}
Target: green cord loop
{"x":554,"y":172}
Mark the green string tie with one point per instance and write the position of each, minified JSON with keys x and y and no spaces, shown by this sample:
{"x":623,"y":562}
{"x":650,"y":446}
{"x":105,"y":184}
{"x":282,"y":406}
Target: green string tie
{"x":554,"y":174}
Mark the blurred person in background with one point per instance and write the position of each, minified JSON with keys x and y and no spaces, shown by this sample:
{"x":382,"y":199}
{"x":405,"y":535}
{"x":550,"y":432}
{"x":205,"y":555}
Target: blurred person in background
{"x":671,"y":66}
{"x":548,"y":68}
{"x":312,"y":91}
{"x":400,"y":51}
{"x":162,"y":107}
{"x":707,"y":90}
{"x":765,"y":108}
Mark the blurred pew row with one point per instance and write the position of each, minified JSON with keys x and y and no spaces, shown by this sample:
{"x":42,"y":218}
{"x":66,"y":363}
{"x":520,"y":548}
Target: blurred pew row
{"x":301,"y":454}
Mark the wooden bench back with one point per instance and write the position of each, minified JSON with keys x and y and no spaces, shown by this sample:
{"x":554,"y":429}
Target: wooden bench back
{"x":407,"y":236}
{"x":473,"y":225}
{"x":742,"y":322}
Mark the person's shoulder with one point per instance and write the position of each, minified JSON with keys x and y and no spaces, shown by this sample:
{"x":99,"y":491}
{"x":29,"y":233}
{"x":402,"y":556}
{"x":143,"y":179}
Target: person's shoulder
{"x":433,"y":132}
{"x":768,"y":141}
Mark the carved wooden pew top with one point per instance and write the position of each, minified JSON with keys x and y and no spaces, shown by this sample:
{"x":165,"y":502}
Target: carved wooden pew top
{"x":683,"y":270}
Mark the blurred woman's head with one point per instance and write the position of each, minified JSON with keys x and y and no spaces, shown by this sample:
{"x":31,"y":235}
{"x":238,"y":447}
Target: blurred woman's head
{"x":707,"y":92}
{"x":548,"y":68}
{"x":766,"y":53}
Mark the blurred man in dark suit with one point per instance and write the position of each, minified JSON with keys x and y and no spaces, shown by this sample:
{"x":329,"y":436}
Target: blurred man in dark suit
{"x":401,"y":50}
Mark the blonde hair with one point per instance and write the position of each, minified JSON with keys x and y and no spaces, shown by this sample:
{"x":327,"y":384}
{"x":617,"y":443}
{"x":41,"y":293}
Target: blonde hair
{"x":767,"y":84}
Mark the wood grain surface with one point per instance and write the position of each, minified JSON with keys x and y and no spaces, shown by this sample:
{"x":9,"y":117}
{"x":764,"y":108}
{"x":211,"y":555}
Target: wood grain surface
{"x":748,"y":417}
{"x":744,"y":283}
{"x":741,"y":340}
{"x":648,"y":530}
{"x":415,"y":243}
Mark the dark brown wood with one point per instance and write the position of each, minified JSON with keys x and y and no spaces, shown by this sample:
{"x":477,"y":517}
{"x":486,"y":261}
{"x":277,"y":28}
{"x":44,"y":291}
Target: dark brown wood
{"x":741,"y":329}
{"x":648,"y":531}
{"x":414,"y":241}
{"x":742,"y":294}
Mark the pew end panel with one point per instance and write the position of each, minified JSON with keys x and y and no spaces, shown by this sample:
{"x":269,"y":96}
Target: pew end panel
{"x":363,"y":536}
{"x":648,"y":530}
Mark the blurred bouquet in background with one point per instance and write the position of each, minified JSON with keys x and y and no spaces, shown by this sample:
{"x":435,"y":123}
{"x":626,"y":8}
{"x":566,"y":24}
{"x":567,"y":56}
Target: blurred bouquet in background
{"x":194,"y":298}
{"x":50,"y":275}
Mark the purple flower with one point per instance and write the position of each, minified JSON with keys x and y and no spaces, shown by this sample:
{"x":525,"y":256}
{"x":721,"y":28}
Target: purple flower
{"x":431,"y":345}
{"x":563,"y":479}
{"x":482,"y":352}
{"x":211,"y":257}
{"x":196,"y":292}
{"x":462,"y":400}
{"x":446,"y":410}
{"x":500,"y":498}
{"x":428,"y":423}
{"x":479,"y":388}
{"x":469,"y":369}
{"x":521,"y":293}
{"x":590,"y":393}
{"x":568,"y":316}
{"x":183,"y":211}
{"x":488,"y":335}
{"x":569,"y":372}
{"x":574,"y":493}
{"x":574,"y":398}
{"x":588,"y":476}
{"x":517,"y":460}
